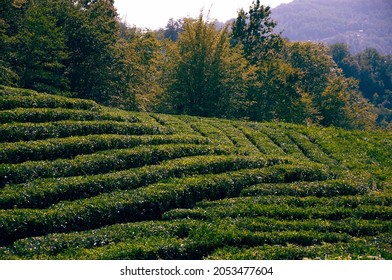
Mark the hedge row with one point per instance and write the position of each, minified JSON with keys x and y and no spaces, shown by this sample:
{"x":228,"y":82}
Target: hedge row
{"x":201,"y":241}
{"x":356,"y":227}
{"x":240,"y":141}
{"x":102,"y":162}
{"x":40,"y":115}
{"x":201,"y":126}
{"x":305,"y":202}
{"x":174,"y":124}
{"x":53,"y":244}
{"x":353,"y":226}
{"x":360,"y":151}
{"x":309,"y":149}
{"x":35,"y":131}
{"x":198,"y":246}
{"x":63,"y":246}
{"x":45,"y":192}
{"x":328,"y":188}
{"x":280,"y":138}
{"x":263,"y":143}
{"x":12,"y":98}
{"x":276,"y":210}
{"x":353,"y":250}
{"x":137,"y":204}
{"x":69,"y":147}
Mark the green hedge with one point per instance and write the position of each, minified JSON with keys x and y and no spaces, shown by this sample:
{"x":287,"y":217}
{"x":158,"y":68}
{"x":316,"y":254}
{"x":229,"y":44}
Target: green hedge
{"x":240,"y":141}
{"x":284,"y":209}
{"x":45,"y":192}
{"x":134,"y":205}
{"x":201,"y":126}
{"x":280,"y":138}
{"x":354,"y":250}
{"x":69,"y":147}
{"x":49,"y":246}
{"x":35,"y":131}
{"x":175,"y":124}
{"x":103,"y":162}
{"x":263,"y":143}
{"x":12,"y":98}
{"x":329,"y":188}
{"x":309,"y":149}
{"x":38,"y":115}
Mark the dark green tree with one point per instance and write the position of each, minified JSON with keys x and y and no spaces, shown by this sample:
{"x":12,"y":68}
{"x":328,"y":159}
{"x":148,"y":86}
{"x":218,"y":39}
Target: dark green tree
{"x":254,"y":30}
{"x":172,"y":29}
{"x":332,"y":99}
{"x":209,"y":76}
{"x":40,"y":51}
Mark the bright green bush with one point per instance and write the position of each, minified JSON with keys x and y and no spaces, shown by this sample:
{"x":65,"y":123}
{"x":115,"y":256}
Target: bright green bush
{"x":42,"y":115}
{"x":45,"y":192}
{"x":35,"y":131}
{"x":12,"y":98}
{"x":103,"y":162}
{"x":51,"y":149}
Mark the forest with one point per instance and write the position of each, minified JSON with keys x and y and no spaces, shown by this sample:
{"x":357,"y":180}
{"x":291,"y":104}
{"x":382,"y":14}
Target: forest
{"x":245,"y":70}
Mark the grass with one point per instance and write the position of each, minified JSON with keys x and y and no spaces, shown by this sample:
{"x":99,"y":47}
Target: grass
{"x":83,"y":181}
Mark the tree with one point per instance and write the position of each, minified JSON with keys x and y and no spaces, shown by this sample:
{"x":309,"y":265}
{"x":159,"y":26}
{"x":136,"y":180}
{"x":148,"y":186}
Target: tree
{"x":142,"y":65}
{"x":274,"y":95}
{"x":254,"y":30}
{"x":208,"y":74}
{"x":40,"y":51}
{"x":11,"y":16}
{"x":172,"y":29}
{"x":92,"y":29}
{"x":343,"y":105}
{"x":332,"y":98}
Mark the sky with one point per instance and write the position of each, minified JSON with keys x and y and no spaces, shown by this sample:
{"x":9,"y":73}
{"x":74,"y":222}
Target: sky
{"x":154,"y":14}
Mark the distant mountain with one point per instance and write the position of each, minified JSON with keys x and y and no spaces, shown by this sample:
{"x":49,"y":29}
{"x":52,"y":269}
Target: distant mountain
{"x":358,"y":23}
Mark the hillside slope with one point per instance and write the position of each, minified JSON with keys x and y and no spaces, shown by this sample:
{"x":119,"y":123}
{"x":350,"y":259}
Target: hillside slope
{"x":358,"y":23}
{"x":81,"y":181}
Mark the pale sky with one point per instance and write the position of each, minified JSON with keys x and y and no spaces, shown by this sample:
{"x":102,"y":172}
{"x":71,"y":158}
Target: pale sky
{"x":154,"y":14}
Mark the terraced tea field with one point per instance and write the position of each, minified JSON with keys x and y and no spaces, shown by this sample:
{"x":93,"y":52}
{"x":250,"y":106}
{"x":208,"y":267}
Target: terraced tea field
{"x":82,"y":181}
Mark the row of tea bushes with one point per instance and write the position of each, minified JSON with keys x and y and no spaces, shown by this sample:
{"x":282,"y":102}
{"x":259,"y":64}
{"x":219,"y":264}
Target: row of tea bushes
{"x":12,"y":132}
{"x":45,"y":192}
{"x":353,"y":250}
{"x":12,"y":98}
{"x":135,"y":204}
{"x":51,"y":149}
{"x":329,"y":188}
{"x":220,"y":233}
{"x":103,"y":162}
{"x":41,"y":115}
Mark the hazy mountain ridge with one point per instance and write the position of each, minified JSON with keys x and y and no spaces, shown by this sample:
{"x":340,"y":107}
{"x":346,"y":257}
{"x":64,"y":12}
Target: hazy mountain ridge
{"x":359,"y":23}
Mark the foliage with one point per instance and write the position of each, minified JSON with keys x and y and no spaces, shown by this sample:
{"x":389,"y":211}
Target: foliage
{"x":209,"y":78}
{"x":374,"y":72}
{"x":254,"y":30}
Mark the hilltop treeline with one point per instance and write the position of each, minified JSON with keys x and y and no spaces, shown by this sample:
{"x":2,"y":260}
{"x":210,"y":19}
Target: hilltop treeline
{"x":245,"y":70}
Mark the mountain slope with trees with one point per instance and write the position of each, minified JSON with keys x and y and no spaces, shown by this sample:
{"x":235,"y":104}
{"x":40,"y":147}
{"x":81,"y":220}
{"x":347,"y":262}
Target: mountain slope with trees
{"x":359,"y":23}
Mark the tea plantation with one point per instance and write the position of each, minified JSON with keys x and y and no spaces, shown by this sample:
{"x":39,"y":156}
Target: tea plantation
{"x":83,"y":181}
